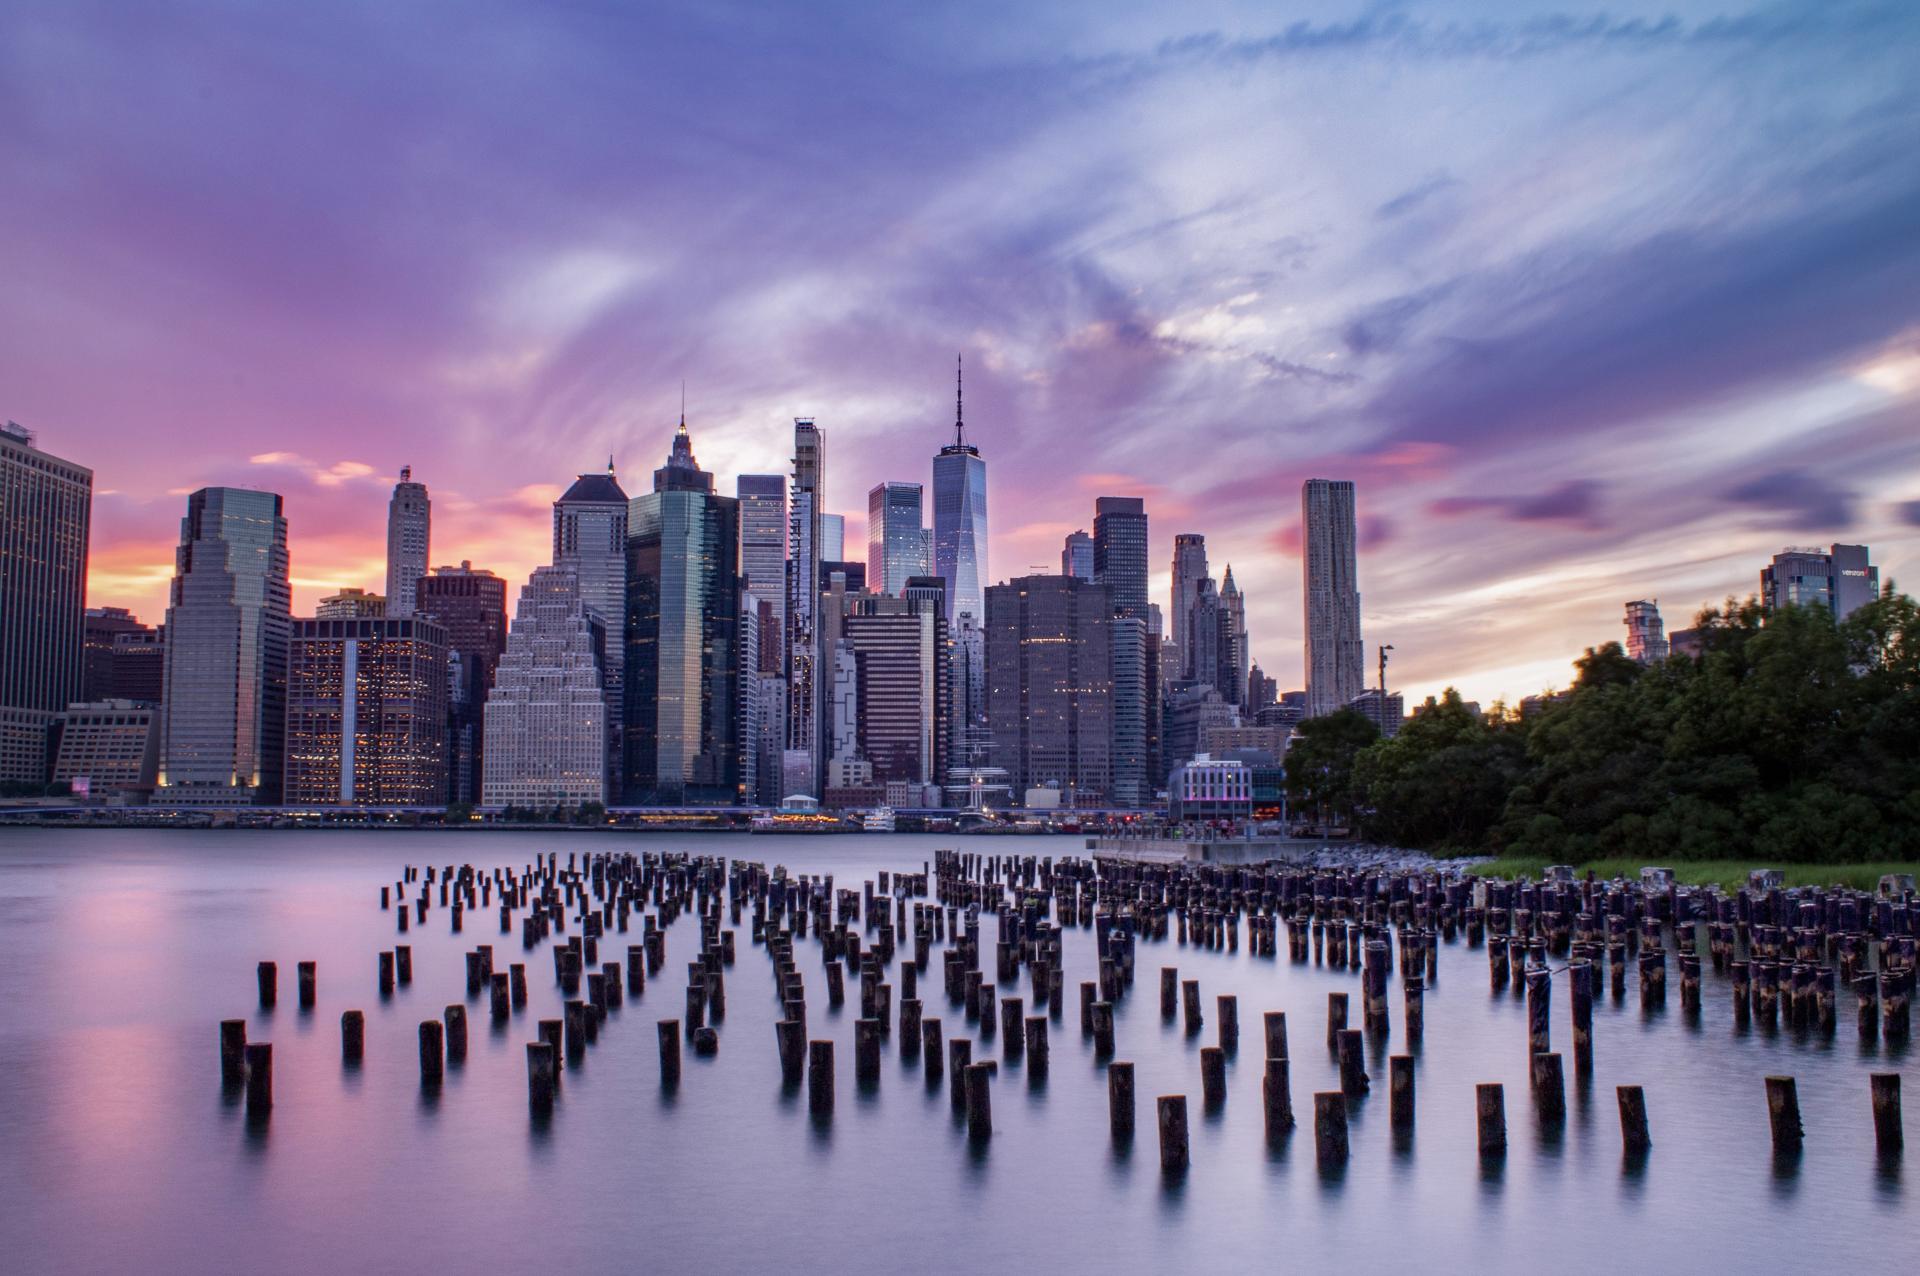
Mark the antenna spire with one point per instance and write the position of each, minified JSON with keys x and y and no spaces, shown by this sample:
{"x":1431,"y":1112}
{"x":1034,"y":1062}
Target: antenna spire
{"x":683,"y":405}
{"x":959,"y":417}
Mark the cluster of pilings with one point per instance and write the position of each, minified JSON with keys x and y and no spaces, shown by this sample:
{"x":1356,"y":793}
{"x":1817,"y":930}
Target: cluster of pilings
{"x":1785,"y":953}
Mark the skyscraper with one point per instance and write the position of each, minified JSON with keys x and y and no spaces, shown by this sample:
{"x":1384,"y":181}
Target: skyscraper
{"x":1132,"y":703}
{"x":367,"y":712}
{"x":546,"y":718}
{"x":224,"y":723}
{"x":1189,"y":569}
{"x":1076,"y":556}
{"x":1839,"y":579}
{"x":899,"y":646}
{"x":46,"y":507}
{"x":833,"y":537}
{"x":409,"y":528}
{"x":800,"y":766}
{"x":471,"y":605}
{"x":1234,"y":655}
{"x":1050,"y":685}
{"x":1120,"y":552}
{"x":960,"y":519}
{"x":1334,"y":658}
{"x":1646,"y":633}
{"x":590,"y":536}
{"x":102,"y":627}
{"x":682,"y":634}
{"x":763,"y":552}
{"x":896,"y":539}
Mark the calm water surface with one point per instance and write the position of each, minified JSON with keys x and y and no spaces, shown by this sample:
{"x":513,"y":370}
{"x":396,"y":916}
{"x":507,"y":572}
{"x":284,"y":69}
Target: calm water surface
{"x":119,"y":1152}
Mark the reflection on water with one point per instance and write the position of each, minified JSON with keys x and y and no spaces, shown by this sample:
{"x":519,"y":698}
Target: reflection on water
{"x":125,"y":948}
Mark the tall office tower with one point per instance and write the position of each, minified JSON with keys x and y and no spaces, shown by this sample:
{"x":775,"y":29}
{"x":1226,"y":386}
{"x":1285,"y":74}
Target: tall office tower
{"x":683,"y":636}
{"x":967,"y":744}
{"x":1050,"y":685}
{"x":763,"y":552}
{"x":1262,"y":691}
{"x":1157,"y":663}
{"x":590,"y":536}
{"x":843,"y":705}
{"x":1076,"y":556}
{"x":800,"y":764}
{"x":354,"y":604}
{"x":546,"y":718}
{"x":897,"y":543}
{"x":1206,"y":637}
{"x":409,"y":528}
{"x":1189,"y":569}
{"x":223,"y":727}
{"x":1335,"y":663}
{"x":960,"y":519}
{"x":1234,"y":655}
{"x":900,"y":647}
{"x":471,"y":605}
{"x":46,"y":506}
{"x":1839,"y":579}
{"x":746,"y":681}
{"x":367,"y":712}
{"x":1132,"y":703}
{"x":833,"y":537}
{"x":102,"y":626}
{"x":1120,"y":552}
{"x":1646,"y":634}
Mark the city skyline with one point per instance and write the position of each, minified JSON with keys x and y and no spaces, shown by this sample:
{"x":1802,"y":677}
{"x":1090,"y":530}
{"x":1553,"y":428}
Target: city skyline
{"x":1556,"y":274}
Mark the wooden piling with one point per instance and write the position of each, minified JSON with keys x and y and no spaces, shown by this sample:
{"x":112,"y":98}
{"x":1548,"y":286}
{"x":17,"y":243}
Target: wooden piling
{"x":1353,"y":1063}
{"x":1190,"y":1004}
{"x":979,"y":1100}
{"x":268,"y":976}
{"x":959,"y":1059}
{"x":1783,"y":1114}
{"x":541,"y":1071}
{"x":1276,"y":1093}
{"x":1336,"y":1018}
{"x":1213,"y":1076}
{"x":1633,"y":1119}
{"x":433,"y":1051}
{"x":1549,"y":1089}
{"x":259,"y":1064}
{"x":930,"y":1049}
{"x":1330,"y":1129}
{"x":1887,"y":1132}
{"x":1400,"y":1091}
{"x":233,"y":1051}
{"x":1274,"y":1022}
{"x":670,"y":1052}
{"x":819,"y":1076}
{"x":307,"y":973}
{"x":1169,"y":991}
{"x":1490,"y":1109}
{"x":353,"y":1037}
{"x":1227,"y":1007}
{"x":1173,"y":1133}
{"x":1120,"y":1099}
{"x":1037,"y":1050}
{"x":866,"y":1051}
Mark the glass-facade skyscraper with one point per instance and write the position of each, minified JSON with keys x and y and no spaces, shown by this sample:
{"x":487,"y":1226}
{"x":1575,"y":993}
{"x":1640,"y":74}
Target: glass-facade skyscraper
{"x":228,"y":623}
{"x":1120,"y":552}
{"x":800,"y":764}
{"x":960,"y":520}
{"x":896,"y":537}
{"x":1076,"y":556}
{"x":46,"y":506}
{"x":682,"y":636}
{"x":1329,"y":542}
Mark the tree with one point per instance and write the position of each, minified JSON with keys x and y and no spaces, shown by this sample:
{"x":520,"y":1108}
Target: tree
{"x":1319,"y":762}
{"x":1443,"y":781}
{"x":590,"y":813}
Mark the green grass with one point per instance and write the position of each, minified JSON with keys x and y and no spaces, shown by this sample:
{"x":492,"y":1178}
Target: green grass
{"x":1728,"y":874}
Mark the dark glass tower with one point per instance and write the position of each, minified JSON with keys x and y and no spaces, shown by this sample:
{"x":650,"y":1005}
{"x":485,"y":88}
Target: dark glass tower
{"x":45,"y":508}
{"x":1120,"y":552}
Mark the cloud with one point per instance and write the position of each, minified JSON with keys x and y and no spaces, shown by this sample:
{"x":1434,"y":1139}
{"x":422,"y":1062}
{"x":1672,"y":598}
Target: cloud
{"x":1796,"y":499}
{"x":1576,"y":502}
{"x":1909,"y":513}
{"x":1414,"y":196}
{"x":319,"y":472}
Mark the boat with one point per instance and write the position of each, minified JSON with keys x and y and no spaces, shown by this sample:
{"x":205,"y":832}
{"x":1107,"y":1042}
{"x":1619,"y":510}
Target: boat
{"x":879,"y":820}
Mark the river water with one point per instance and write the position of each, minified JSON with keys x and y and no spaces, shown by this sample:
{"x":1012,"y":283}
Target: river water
{"x":119,"y":1151}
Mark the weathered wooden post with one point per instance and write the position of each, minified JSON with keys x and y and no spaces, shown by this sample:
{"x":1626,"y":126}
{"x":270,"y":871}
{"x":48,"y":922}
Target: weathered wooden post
{"x":1400,"y":1091}
{"x":866,"y":1051}
{"x":1276,"y":1093}
{"x":1103,"y":1028}
{"x":353,"y":1037}
{"x":1190,"y":1003}
{"x":1120,"y":1100}
{"x":268,"y":976}
{"x":979,"y":1100}
{"x":1783,"y":1114}
{"x":1169,"y":991}
{"x":1213,"y":1076}
{"x":1037,"y":1054}
{"x":403,"y":963}
{"x":820,"y":1077}
{"x":931,"y":1050}
{"x":959,"y":1059}
{"x":308,"y":975}
{"x":1414,"y":994}
{"x":670,"y":1052}
{"x":1887,"y":1132}
{"x":259,"y":1063}
{"x":1088,"y":995}
{"x":1549,"y":1089}
{"x":456,"y":1017}
{"x":1173,"y":1133}
{"x":386,"y":974}
{"x":1539,"y":1012}
{"x":575,"y":1013}
{"x":1490,"y":1108}
{"x":1353,"y":1063}
{"x":1012,"y":1011}
{"x":1336,"y":1018}
{"x":233,"y":1051}
{"x":1330,"y":1129}
{"x":433,"y":1053}
{"x":1275,"y":1024}
{"x":541,"y":1071}
{"x":1228,"y":1008}
{"x":1633,"y":1119}
{"x":1581,"y":975}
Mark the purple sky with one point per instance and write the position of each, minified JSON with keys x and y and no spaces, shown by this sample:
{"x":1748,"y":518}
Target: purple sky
{"x":1594,"y":304}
